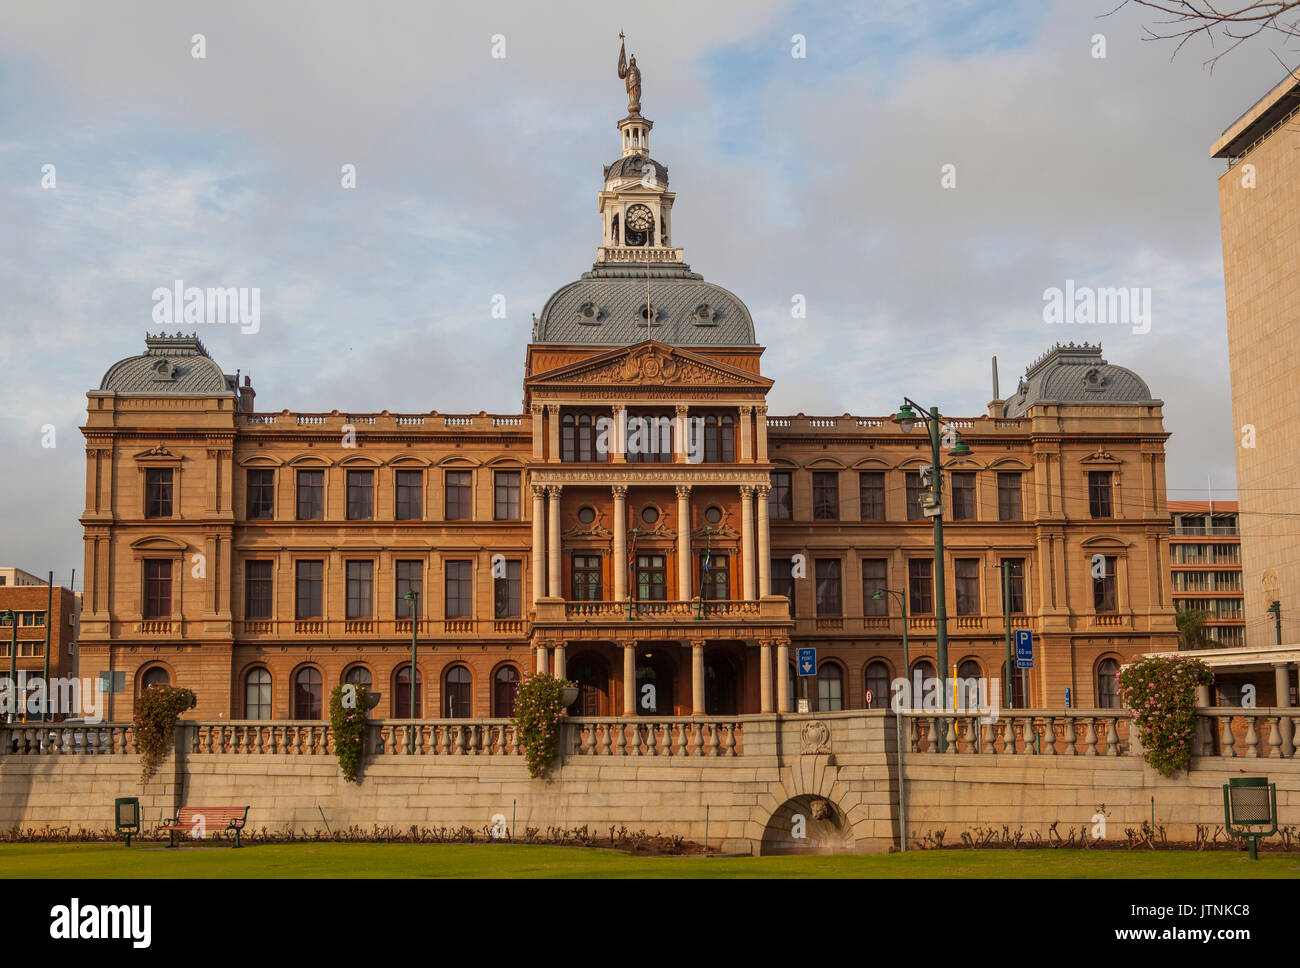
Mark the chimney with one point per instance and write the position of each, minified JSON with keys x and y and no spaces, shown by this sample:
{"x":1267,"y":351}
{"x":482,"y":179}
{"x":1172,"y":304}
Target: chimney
{"x":246,"y":395}
{"x":997,"y":404}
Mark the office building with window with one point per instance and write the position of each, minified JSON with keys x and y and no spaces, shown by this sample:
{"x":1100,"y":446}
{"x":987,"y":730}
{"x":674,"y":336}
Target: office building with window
{"x":643,"y":526}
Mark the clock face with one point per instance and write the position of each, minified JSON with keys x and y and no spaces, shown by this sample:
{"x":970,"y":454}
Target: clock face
{"x":640,"y":218}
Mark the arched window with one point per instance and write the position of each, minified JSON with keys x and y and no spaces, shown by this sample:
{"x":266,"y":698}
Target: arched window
{"x":586,"y":438}
{"x":505,"y":684}
{"x":458,"y":693}
{"x":156,"y":676}
{"x":402,"y":693}
{"x":966,"y":694}
{"x":719,"y":439}
{"x":307,"y":694}
{"x":567,"y":438}
{"x":830,"y":688}
{"x":878,"y":685}
{"x":1107,"y":694}
{"x":257,"y":694}
{"x":360,"y":676}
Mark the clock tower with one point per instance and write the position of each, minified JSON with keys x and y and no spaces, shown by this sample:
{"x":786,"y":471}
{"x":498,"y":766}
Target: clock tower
{"x":636,"y":205}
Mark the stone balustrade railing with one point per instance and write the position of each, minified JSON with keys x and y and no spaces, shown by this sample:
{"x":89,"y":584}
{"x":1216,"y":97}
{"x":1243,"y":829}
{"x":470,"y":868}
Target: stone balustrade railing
{"x":37,"y":738}
{"x":1031,"y":732}
{"x":1232,"y":731}
{"x":677,"y":736}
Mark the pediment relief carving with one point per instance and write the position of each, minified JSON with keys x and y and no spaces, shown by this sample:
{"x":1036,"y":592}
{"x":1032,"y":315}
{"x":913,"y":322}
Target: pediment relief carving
{"x":159,"y":453}
{"x":585,"y":531}
{"x":653,"y":365}
{"x":1100,"y":456}
{"x":723,"y":530}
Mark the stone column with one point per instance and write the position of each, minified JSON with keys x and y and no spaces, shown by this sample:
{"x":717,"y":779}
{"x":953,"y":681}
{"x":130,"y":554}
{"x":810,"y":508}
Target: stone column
{"x":747,"y":539}
{"x":764,"y":543}
{"x":746,"y":435}
{"x":618,"y":445}
{"x":537,"y":410}
{"x":620,"y":542}
{"x":760,"y":414}
{"x":682,"y":428}
{"x":1282,"y":684}
{"x":553,"y":432}
{"x":684,"y":542}
{"x":539,"y":542}
{"x":629,"y":679}
{"x":558,"y":662}
{"x":553,"y":542}
{"x":765,"y":676}
{"x":541,"y":660}
{"x":783,"y":675}
{"x":697,"y":677}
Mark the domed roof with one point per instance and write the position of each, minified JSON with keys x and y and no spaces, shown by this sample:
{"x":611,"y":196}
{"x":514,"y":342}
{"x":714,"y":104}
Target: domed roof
{"x":171,"y":365}
{"x":1077,"y":375}
{"x":607,"y":306}
{"x":634,"y":166}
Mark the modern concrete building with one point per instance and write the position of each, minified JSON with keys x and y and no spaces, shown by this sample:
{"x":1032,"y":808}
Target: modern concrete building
{"x":1259,"y":206}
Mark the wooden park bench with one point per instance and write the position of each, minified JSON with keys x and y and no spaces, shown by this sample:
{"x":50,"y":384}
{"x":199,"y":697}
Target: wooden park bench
{"x":206,"y":820}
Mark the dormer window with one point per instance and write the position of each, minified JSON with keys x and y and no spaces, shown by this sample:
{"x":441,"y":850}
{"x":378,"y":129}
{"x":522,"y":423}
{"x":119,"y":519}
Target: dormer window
{"x":704,"y":315}
{"x":164,"y":370}
{"x":589,"y":314}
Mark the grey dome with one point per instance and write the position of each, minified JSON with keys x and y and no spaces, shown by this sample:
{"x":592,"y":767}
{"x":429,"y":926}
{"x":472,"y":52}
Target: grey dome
{"x":171,"y":365}
{"x":633,"y":166}
{"x":606,"y":306}
{"x":1076,"y":375}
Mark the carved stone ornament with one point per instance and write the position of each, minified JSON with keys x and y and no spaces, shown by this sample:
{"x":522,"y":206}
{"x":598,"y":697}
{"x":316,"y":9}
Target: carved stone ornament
{"x":821,"y":809}
{"x":816,"y":738}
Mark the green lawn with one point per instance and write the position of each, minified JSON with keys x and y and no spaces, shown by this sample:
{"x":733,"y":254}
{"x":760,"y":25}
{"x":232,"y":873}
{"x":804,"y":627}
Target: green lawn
{"x":93,"y":860}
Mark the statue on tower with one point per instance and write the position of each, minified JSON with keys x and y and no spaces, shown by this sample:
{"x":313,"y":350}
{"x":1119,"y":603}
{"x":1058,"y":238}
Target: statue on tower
{"x":632,"y":74}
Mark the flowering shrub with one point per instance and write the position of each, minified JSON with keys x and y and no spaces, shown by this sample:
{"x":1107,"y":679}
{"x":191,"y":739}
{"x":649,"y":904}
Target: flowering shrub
{"x":348,"y":727}
{"x":539,"y":705}
{"x":1160,"y":694}
{"x":155,"y":721}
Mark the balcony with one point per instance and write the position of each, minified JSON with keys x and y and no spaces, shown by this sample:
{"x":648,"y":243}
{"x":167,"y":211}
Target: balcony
{"x":768,"y":616}
{"x":253,"y":630}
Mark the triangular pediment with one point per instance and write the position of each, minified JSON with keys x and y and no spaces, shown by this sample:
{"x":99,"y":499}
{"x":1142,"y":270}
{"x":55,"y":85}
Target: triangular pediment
{"x":649,"y":363}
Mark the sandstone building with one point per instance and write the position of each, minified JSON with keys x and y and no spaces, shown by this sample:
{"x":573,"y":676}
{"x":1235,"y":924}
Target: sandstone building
{"x":644,"y":526}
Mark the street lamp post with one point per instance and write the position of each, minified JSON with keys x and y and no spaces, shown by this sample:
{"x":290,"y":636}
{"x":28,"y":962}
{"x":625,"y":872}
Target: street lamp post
{"x":1276,"y":611}
{"x":11,"y":617}
{"x":902,"y":606}
{"x":413,"y":597}
{"x":907,"y":417}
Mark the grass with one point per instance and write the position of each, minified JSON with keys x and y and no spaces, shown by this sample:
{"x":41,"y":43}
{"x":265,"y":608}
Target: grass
{"x":325,"y":860}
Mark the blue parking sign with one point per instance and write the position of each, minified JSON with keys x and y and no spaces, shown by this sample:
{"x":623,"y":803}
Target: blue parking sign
{"x":1024,"y":649}
{"x":807,"y":662}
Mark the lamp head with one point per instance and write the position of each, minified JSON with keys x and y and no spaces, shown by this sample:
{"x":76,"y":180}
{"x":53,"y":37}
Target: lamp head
{"x":878,"y":595}
{"x":960,"y":450}
{"x":905,"y":418}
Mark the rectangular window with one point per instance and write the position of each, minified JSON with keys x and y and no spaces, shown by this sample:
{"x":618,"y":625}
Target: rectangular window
{"x":828,"y":587}
{"x":458,"y":496}
{"x":915,"y":491}
{"x":361,"y":495}
{"x":826,"y":496}
{"x":963,"y":495}
{"x":874,"y":580}
{"x":1099,"y":494}
{"x":586,"y":578}
{"x":871,"y":495}
{"x":715,"y":578}
{"x":309,"y":583}
{"x":257,"y":589}
{"x":1103,"y":589}
{"x":920,"y":588}
{"x":360,"y":577}
{"x":783,"y":579}
{"x":1009,"y":505}
{"x":506,"y":593}
{"x":410,"y":578}
{"x":459,"y":590}
{"x":651,"y":578}
{"x":506,"y":500}
{"x":311,"y":495}
{"x":158,"y":492}
{"x":967,"y":572}
{"x":1017,"y":583}
{"x":157,"y":589}
{"x":410,"y":495}
{"x":780,"y":506}
{"x":261,"y":495}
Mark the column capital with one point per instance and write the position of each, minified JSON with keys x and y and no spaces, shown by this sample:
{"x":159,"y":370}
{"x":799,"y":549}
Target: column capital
{"x":699,"y":643}
{"x":683,"y":490}
{"x":746,"y":409}
{"x":762,"y":489}
{"x":553,"y":491}
{"x":681,"y":409}
{"x":536,"y":407}
{"x":617,"y":407}
{"x":618,"y":490}
{"x":539,"y":490}
{"x":552,"y":408}
{"x":761,"y":409}
{"x":747,"y":491}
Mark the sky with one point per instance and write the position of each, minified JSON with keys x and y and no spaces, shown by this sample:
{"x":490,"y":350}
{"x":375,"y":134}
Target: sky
{"x":815,"y":176}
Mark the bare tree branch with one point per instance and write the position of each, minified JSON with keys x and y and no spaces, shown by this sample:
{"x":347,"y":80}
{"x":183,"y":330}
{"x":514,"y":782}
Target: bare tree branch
{"x":1217,"y":23}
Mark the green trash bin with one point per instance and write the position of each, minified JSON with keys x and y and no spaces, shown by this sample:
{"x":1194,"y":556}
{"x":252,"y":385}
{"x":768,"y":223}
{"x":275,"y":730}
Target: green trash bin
{"x":126,"y":815}
{"x":1250,"y":805}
